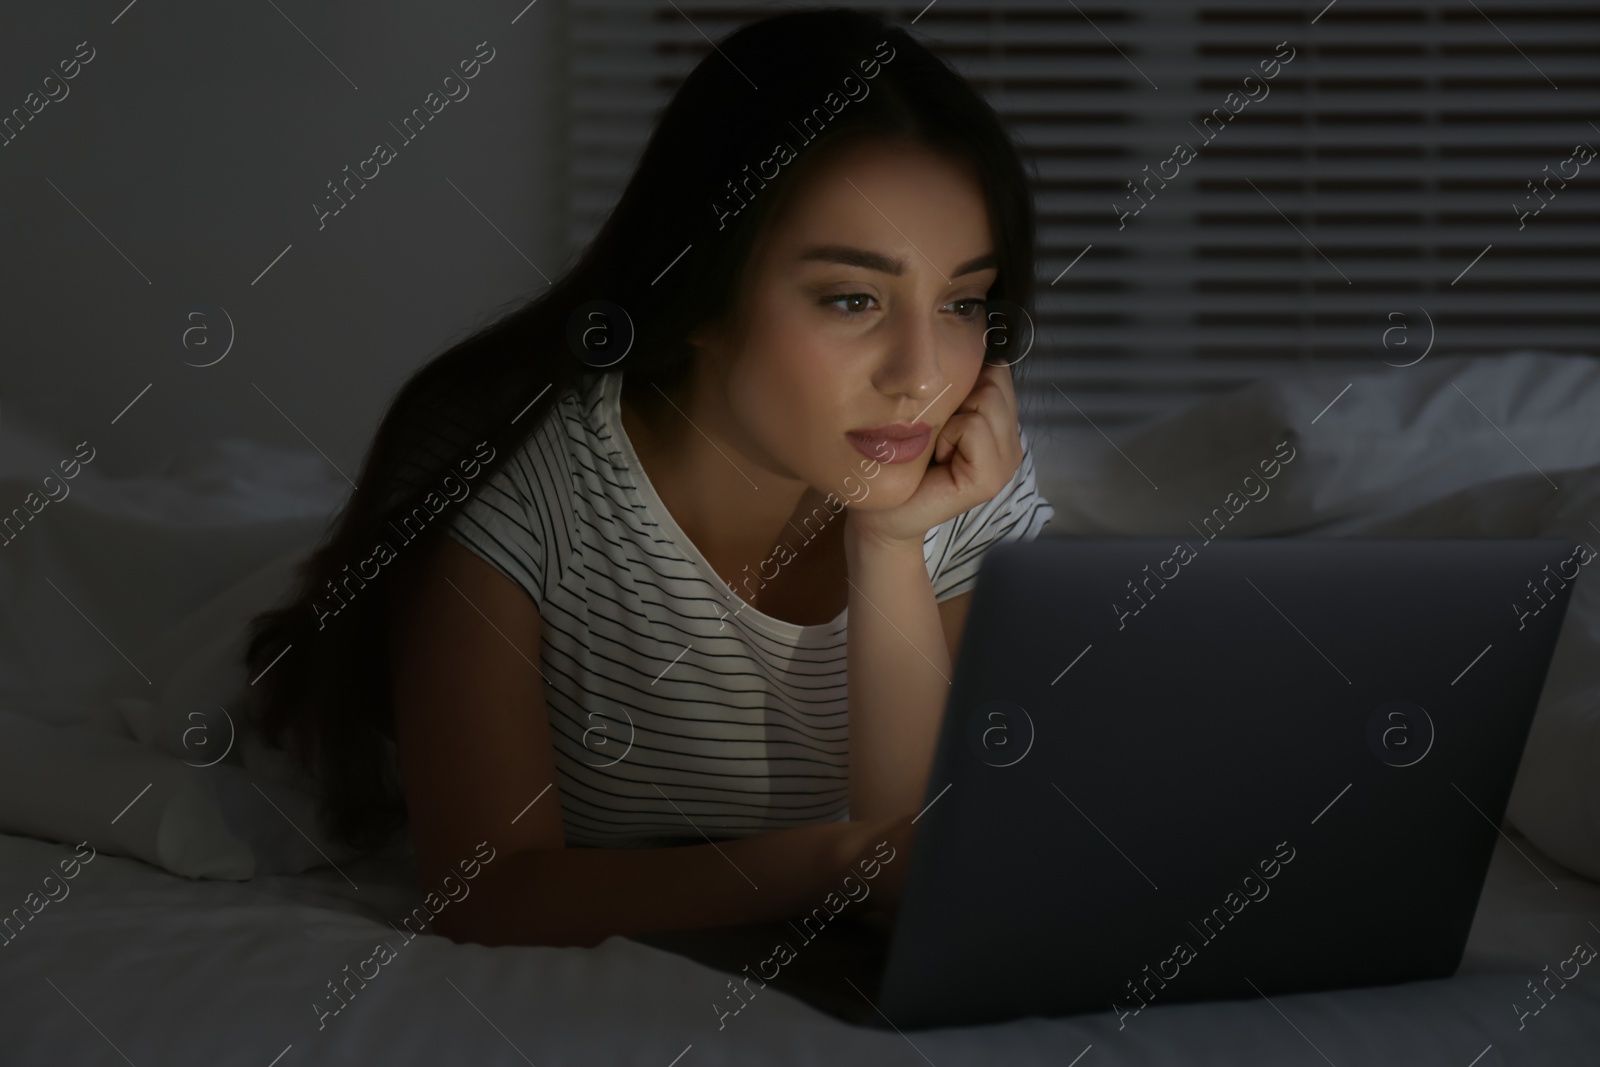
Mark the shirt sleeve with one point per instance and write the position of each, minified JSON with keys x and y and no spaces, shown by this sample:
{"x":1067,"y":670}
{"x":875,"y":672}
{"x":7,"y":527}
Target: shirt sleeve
{"x":506,"y":521}
{"x":955,"y":549}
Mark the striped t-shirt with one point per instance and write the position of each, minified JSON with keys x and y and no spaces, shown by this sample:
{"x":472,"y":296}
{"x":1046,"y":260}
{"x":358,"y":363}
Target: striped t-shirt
{"x":675,"y":708}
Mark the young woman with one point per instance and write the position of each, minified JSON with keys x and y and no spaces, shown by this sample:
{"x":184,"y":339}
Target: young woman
{"x":589,"y":601}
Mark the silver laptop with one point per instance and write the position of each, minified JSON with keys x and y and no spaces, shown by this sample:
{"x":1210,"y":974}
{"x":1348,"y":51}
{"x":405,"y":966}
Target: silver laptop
{"x":1177,"y":771}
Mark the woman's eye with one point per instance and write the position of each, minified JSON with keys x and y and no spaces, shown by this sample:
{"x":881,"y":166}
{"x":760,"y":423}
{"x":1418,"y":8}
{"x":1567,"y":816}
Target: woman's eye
{"x":857,"y":302}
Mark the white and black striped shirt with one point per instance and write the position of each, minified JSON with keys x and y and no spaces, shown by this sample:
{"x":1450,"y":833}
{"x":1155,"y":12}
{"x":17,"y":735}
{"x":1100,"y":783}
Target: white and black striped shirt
{"x":675,"y":708}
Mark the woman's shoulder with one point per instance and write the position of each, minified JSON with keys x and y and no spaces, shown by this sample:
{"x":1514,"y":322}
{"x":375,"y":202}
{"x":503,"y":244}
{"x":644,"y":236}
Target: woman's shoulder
{"x":559,"y":458}
{"x":570,"y":421}
{"x":520,"y":517}
{"x":574,"y":402}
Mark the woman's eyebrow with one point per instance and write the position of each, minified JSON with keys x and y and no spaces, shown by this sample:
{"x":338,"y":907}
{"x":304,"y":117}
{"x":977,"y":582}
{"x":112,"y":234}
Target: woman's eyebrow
{"x":860,"y":257}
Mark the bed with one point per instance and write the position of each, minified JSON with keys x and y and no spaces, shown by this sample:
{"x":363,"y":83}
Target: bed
{"x":205,"y":920}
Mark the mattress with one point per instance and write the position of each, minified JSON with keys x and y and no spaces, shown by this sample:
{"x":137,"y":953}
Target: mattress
{"x":154,"y":909}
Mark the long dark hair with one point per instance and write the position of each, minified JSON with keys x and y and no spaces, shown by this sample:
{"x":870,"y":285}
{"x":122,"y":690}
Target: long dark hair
{"x":667,"y":260}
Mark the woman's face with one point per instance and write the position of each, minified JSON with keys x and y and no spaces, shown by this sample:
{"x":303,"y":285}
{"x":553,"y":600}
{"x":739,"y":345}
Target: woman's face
{"x":862,"y":307}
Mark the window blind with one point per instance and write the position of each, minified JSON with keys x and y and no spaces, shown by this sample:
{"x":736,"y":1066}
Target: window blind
{"x":1385,"y":176}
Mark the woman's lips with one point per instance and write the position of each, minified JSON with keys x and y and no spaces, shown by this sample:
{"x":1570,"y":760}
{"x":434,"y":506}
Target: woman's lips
{"x":890,"y":449}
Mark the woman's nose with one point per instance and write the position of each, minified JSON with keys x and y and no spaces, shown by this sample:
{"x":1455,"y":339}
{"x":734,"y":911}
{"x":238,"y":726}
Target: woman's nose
{"x":913,"y":359}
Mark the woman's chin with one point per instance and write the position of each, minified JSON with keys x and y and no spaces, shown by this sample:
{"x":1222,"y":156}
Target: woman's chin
{"x":886,"y":491}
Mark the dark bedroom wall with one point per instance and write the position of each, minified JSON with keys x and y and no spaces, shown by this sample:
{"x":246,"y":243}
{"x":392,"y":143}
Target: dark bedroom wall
{"x":178,"y":171}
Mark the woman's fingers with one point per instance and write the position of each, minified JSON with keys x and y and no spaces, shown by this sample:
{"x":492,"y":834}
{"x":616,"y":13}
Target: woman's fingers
{"x":999,"y":406}
{"x":992,"y":397}
{"x":976,"y":460}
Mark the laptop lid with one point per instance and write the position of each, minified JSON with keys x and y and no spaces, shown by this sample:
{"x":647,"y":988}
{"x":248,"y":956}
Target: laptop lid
{"x":1196,"y":770}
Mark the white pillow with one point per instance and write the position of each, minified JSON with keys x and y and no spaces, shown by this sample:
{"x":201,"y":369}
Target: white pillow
{"x":120,"y":796}
{"x":1398,"y":438}
{"x":198,"y":669}
{"x":266,"y":799}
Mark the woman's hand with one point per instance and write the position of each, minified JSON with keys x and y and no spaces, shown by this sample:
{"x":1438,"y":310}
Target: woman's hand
{"x":975,"y":454}
{"x":867,"y":842}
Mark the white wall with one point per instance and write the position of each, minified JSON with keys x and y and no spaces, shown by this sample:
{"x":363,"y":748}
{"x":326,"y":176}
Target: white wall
{"x":192,"y":148}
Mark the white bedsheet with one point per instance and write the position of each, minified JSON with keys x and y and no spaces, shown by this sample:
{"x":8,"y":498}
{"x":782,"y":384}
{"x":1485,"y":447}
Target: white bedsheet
{"x":119,"y":610}
{"x":221,"y":973}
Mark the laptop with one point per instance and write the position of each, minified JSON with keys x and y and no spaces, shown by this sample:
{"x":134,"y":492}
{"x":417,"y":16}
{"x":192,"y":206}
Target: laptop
{"x":1195,"y":770}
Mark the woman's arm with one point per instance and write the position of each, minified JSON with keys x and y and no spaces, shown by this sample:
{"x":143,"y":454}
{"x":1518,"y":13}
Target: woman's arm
{"x":899,"y":674}
{"x":475,"y":748}
{"x":899,"y":663}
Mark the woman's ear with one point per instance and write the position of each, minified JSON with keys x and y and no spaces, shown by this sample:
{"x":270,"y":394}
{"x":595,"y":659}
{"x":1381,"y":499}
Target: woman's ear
{"x":712,"y":348}
{"x":708,"y":336}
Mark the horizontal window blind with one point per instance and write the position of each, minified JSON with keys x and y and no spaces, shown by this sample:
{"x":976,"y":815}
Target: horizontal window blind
{"x":1412,"y":165}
